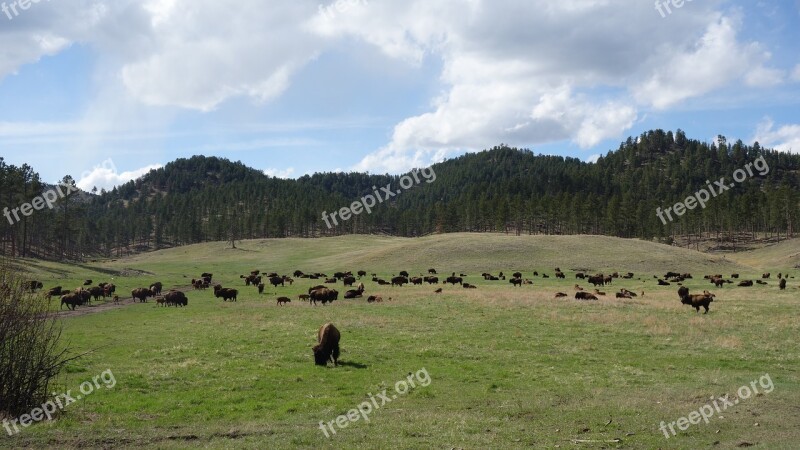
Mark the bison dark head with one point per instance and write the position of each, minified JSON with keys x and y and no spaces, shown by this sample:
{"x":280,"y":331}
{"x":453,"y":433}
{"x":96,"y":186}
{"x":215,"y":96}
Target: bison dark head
{"x":321,"y":357}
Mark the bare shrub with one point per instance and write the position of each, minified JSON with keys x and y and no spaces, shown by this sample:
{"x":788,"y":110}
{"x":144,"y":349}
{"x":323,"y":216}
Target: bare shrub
{"x":31,"y":355}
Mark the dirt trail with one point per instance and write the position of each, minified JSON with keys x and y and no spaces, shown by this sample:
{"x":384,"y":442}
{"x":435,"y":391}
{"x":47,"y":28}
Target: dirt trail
{"x":107,"y":305}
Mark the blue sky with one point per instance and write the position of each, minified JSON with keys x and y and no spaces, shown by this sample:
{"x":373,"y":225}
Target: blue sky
{"x":105,"y":90}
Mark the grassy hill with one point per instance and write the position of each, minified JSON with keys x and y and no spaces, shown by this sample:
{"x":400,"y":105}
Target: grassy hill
{"x":509,"y":367}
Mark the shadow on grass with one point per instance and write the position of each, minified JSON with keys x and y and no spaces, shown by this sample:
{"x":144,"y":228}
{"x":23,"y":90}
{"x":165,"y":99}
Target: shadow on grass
{"x":353,"y":364}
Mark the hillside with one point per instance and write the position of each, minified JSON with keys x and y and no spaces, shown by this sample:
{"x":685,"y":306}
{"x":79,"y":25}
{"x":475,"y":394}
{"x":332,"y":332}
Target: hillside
{"x":509,"y":190}
{"x":462,"y":252}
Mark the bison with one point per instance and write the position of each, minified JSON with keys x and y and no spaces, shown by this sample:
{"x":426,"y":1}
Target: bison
{"x":399,"y":281}
{"x":71,"y":300}
{"x":176,"y":298}
{"x":156,"y":288}
{"x":328,"y":346}
{"x":745,"y":283}
{"x":324,"y":295}
{"x":141,"y":294}
{"x":783,"y":284}
{"x":283,"y":300}
{"x":583,"y":295}
{"x":516,"y":281}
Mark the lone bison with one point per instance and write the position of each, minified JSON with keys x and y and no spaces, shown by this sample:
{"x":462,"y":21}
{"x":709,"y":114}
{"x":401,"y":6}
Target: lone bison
{"x":328,"y":347}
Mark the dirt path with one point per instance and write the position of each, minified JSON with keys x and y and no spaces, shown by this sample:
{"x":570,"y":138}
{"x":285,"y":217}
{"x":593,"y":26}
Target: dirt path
{"x":107,"y":305}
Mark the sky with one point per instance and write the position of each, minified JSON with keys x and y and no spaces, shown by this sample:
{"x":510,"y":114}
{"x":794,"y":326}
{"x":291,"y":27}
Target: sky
{"x":106,"y":90}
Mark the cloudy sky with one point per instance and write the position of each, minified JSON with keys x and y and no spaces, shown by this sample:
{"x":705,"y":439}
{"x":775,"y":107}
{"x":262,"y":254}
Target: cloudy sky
{"x":104,"y":90}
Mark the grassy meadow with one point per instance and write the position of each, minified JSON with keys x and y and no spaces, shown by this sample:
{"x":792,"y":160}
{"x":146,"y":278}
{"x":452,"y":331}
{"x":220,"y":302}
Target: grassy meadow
{"x":510,"y":367}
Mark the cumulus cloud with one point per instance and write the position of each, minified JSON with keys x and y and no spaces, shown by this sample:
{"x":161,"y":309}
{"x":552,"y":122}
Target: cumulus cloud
{"x":522,"y":72}
{"x":105,"y":176}
{"x":785,"y":138}
{"x":712,"y":62}
{"x":279,"y":173}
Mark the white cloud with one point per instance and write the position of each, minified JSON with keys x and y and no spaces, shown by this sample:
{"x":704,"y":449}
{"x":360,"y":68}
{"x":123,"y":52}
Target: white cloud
{"x":594,"y":158}
{"x":105,"y":176}
{"x":714,"y":61}
{"x":785,"y":139}
{"x":796,"y":73}
{"x":279,"y":173}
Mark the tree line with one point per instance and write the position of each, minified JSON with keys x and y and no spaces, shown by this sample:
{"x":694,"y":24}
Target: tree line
{"x":502,"y":189}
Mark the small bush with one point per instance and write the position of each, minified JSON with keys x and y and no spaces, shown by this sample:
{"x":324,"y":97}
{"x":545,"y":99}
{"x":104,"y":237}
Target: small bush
{"x":30,"y":352}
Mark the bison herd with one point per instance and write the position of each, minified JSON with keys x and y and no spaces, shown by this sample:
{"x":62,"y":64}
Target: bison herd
{"x":325,"y":293}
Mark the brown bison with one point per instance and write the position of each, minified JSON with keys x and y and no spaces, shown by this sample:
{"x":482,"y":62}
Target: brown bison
{"x":516,"y":281}
{"x":745,"y":283}
{"x":697,"y":300}
{"x":156,"y":288}
{"x":141,"y":294}
{"x":328,"y":347}
{"x":71,"y":300}
{"x":349,"y":281}
{"x":597,"y":280}
{"x":324,"y":295}
{"x":454,"y":280}
{"x":54,"y":292}
{"x":399,"y":281}
{"x":225,"y":293}
{"x":783,"y":284}
{"x":176,"y":298}
{"x":561,"y":295}
{"x":583,"y":295}
{"x":33,"y":285}
{"x":275,"y":281}
{"x":283,"y":300}
{"x":432,"y":280}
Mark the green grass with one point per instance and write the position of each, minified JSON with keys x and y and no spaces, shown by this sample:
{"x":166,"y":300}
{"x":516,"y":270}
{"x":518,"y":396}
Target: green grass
{"x":510,"y":367}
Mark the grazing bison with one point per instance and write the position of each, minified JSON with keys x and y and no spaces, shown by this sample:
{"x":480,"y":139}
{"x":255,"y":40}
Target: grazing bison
{"x":349,"y":281}
{"x":328,"y":346}
{"x":141,"y":294}
{"x":156,"y":288}
{"x":517,"y":275}
{"x":176,"y":298}
{"x":275,"y":281}
{"x":260,"y":288}
{"x":582,"y":295}
{"x":71,"y":300}
{"x":560,"y":275}
{"x":399,"y":281}
{"x":324,"y":295}
{"x":597,"y":280}
{"x":283,"y":300}
{"x":54,"y":292}
{"x":516,"y":281}
{"x":417,"y":281}
{"x":783,"y":284}
{"x":698,"y":300}
{"x":432,"y":280}
{"x":454,"y":279}
{"x":432,"y":271}
{"x":362,"y":273}
{"x":96,"y":292}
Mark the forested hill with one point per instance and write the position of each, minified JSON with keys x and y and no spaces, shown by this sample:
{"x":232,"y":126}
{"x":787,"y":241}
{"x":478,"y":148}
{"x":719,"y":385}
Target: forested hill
{"x":502,"y":189}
